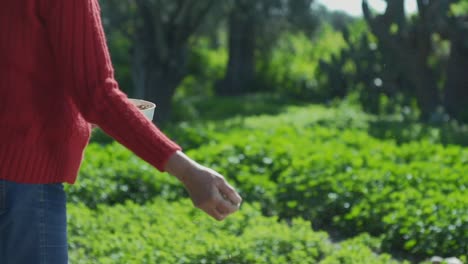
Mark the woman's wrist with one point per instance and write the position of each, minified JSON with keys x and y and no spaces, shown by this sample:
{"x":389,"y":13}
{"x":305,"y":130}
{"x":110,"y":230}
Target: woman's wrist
{"x":179,"y":165}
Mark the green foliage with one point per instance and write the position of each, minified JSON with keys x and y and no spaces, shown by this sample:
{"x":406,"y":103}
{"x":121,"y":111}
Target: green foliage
{"x":359,"y":68}
{"x":415,"y":194}
{"x":459,"y":9}
{"x":120,"y":46}
{"x":292,"y":65}
{"x":358,"y":250}
{"x":163,"y":232}
{"x":219,"y":108}
{"x":207,"y":64}
{"x":99,"y":136}
{"x":105,"y":178}
{"x":403,"y":127}
{"x":319,"y":164}
{"x":346,"y":180}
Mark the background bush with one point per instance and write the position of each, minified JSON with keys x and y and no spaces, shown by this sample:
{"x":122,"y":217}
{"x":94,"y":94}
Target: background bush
{"x":314,"y":162}
{"x":162,"y":232}
{"x":111,"y":174}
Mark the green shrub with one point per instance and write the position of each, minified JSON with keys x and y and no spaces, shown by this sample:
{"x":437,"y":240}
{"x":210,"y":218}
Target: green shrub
{"x":164,"y":232}
{"x":414,"y":194}
{"x":207,"y":63}
{"x":100,"y":137}
{"x":357,"y":250}
{"x":317,"y":163}
{"x":345,"y":179}
{"x":292,"y":65}
{"x":252,"y":166}
{"x":111,"y":174}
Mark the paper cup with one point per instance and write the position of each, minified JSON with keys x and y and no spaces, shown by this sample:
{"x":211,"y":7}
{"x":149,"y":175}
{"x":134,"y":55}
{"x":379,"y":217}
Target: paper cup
{"x":147,"y":108}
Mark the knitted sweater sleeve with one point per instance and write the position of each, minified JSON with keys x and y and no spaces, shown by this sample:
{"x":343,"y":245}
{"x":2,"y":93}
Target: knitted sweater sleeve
{"x":80,"y":50}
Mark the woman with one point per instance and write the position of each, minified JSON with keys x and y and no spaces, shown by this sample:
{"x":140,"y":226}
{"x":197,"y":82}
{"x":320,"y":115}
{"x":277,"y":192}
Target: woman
{"x":56,"y":78}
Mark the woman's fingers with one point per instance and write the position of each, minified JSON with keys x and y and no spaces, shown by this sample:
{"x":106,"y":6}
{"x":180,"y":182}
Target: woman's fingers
{"x":210,"y":192}
{"x":228,"y":193}
{"x":226,"y":207}
{"x":219,"y":207}
{"x":216,"y":214}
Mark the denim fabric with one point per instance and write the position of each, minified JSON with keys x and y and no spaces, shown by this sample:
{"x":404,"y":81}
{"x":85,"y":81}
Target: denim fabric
{"x":33,"y":226}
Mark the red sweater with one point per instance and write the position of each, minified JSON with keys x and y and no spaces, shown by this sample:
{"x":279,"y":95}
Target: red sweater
{"x":56,"y":78}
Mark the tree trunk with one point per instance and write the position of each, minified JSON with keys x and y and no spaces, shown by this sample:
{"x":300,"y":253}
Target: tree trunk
{"x":427,"y":93}
{"x":240,"y":71}
{"x":422,"y":75}
{"x":157,"y":81}
{"x":407,"y":52}
{"x":160,"y":88}
{"x":456,"y":87}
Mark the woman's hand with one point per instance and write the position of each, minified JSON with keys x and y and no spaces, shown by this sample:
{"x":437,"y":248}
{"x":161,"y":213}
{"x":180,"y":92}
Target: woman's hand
{"x":208,"y":190}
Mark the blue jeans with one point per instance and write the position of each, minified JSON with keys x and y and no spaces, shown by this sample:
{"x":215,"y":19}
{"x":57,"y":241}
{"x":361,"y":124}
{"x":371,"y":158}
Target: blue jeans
{"x":33,"y":224}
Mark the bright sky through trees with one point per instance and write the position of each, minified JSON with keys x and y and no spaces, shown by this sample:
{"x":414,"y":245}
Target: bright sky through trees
{"x":353,"y":7}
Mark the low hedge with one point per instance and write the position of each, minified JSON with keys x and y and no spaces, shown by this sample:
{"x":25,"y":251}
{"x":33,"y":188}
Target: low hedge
{"x":413,"y":194}
{"x":163,"y":232}
{"x":300,"y":163}
{"x":418,"y":208}
{"x":111,"y":174}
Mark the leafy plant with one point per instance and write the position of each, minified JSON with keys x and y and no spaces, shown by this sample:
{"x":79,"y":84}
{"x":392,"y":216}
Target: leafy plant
{"x":317,"y":163}
{"x":163,"y":232}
